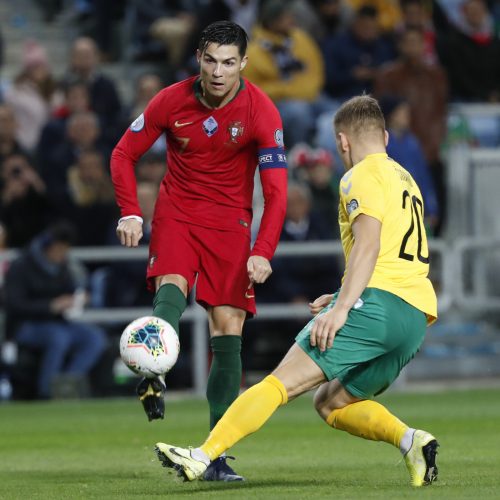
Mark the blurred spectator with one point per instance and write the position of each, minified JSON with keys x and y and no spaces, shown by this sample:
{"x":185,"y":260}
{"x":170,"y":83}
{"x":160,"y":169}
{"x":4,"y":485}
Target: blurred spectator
{"x":92,"y":196}
{"x":163,"y":18}
{"x":389,"y":14}
{"x":174,"y":32}
{"x":31,"y":96}
{"x":285,"y":62}
{"x":303,"y":279}
{"x":416,"y":15}
{"x":76,"y":99}
{"x":353,"y":57}
{"x":316,"y":167}
{"x":405,"y":148}
{"x":151,"y":168}
{"x":25,"y":208}
{"x":43,"y":299}
{"x":470,"y":53}
{"x":1,"y":56}
{"x":123,"y":284}
{"x":4,"y":265}
{"x":321,"y":18}
{"x":104,"y":99}
{"x":8,"y":132}
{"x":423,"y":85}
{"x":99,"y":19}
{"x":82,"y":134}
{"x":147,"y":86}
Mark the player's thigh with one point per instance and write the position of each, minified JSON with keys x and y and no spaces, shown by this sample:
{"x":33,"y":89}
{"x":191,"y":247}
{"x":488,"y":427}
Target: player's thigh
{"x":372,"y":329}
{"x":298,"y":372}
{"x":223,"y":276}
{"x":405,"y":334}
{"x":172,"y":251}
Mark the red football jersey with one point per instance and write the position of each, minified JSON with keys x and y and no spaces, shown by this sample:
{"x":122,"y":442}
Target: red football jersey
{"x":212,"y":155}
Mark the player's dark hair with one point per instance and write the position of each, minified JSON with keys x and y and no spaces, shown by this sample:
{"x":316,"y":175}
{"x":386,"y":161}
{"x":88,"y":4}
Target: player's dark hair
{"x":360,"y":115}
{"x":224,"y":33}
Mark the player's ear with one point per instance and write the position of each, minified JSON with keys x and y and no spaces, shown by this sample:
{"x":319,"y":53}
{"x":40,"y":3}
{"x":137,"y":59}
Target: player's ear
{"x":243,"y":63}
{"x":198,"y":56}
{"x":343,"y":142}
{"x":386,"y":137}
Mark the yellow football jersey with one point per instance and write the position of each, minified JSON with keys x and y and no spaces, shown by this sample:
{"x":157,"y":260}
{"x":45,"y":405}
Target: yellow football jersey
{"x":381,"y":188}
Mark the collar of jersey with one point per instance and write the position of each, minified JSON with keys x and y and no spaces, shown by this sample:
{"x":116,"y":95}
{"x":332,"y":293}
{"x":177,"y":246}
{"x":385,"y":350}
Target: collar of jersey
{"x":198,"y":90}
{"x":376,"y":155}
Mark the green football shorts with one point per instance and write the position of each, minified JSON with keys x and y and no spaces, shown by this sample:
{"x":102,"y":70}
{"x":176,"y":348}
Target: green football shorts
{"x":381,"y":335}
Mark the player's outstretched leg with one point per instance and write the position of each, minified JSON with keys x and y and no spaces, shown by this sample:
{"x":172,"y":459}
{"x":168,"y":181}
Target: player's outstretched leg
{"x":169,"y":304}
{"x":245,"y":416}
{"x":370,"y":420}
{"x":182,"y":461}
{"x":421,"y":458}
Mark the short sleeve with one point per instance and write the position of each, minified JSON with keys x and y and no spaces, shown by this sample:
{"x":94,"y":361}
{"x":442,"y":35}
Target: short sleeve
{"x":362,"y":192}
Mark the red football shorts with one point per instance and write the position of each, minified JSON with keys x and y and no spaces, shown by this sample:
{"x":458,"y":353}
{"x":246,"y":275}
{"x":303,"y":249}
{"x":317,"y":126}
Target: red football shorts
{"x":216,"y":260}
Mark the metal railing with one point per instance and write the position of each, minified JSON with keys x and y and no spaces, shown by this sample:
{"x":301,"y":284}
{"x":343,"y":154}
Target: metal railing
{"x":196,"y":315}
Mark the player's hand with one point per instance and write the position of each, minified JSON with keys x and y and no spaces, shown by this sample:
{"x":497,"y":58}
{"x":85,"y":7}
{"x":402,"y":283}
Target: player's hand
{"x":129,"y":232}
{"x":320,"y":303}
{"x":326,"y":326}
{"x":259,"y":269}
{"x":151,"y":392}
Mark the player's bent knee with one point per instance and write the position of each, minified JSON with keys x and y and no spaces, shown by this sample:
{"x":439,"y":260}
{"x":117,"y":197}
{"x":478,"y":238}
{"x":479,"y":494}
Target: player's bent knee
{"x":173,"y":279}
{"x":321,"y":405}
{"x":226,"y":320}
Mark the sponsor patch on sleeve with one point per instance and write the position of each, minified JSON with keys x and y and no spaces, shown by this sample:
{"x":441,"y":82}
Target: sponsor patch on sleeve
{"x":138,"y":124}
{"x":351,"y":206}
{"x":272,"y":158}
{"x":278,"y":138}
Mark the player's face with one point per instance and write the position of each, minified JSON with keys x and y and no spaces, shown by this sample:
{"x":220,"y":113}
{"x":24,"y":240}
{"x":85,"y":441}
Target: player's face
{"x":220,"y":68}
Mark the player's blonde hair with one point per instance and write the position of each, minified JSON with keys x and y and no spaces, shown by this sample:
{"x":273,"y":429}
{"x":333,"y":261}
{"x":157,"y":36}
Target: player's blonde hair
{"x":360,"y":115}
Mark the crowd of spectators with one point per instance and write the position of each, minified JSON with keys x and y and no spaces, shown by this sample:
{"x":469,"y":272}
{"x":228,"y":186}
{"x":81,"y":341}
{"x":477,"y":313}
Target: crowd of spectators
{"x":57,"y":131}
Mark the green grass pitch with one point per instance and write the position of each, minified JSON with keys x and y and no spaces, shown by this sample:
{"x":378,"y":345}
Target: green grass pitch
{"x":104,"y":449}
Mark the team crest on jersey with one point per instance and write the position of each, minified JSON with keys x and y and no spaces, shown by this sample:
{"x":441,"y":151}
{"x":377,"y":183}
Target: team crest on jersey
{"x":210,"y":126}
{"x":152,"y":260}
{"x":351,"y":206}
{"x":235,"y":130}
{"x":138,"y":123}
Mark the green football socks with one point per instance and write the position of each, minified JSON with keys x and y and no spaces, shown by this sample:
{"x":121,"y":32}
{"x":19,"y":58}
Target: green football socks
{"x":169,"y":304}
{"x":224,"y":380}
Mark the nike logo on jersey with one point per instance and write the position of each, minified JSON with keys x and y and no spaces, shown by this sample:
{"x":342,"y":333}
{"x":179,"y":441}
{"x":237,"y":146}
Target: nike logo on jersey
{"x":179,"y":124}
{"x":249,"y":295}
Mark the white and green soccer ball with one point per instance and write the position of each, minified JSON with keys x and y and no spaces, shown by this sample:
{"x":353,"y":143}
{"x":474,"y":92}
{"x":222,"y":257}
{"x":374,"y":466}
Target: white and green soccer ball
{"x":149,"y":346}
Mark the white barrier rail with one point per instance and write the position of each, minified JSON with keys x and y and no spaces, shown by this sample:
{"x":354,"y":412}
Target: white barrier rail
{"x":196,"y":314}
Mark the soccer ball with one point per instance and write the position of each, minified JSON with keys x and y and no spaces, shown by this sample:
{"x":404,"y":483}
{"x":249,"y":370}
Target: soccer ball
{"x":149,"y":346}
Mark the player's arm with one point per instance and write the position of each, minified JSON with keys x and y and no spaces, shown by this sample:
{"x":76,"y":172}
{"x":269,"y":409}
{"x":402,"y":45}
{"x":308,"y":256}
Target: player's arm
{"x":362,"y":260}
{"x":274,"y":186}
{"x":273,"y":176}
{"x":138,"y":138}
